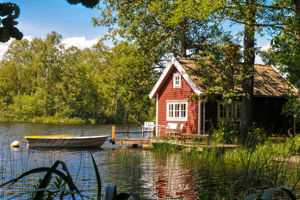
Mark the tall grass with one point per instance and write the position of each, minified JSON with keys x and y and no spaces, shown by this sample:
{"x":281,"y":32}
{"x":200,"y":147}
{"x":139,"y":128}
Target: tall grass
{"x":251,"y":168}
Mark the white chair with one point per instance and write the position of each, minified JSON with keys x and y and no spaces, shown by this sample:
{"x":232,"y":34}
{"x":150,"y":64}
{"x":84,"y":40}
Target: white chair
{"x":148,"y":127}
{"x":175,"y":128}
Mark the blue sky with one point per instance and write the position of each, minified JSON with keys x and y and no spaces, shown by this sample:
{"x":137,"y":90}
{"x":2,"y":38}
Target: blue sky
{"x":39,"y":17}
{"x":73,"y":22}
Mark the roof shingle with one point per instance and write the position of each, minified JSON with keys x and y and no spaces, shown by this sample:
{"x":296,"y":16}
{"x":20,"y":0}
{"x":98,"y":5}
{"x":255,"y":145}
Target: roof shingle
{"x":267,"y":80}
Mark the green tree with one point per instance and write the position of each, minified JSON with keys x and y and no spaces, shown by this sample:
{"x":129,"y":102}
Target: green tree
{"x":220,"y":74}
{"x":162,"y":25}
{"x":42,"y":78}
{"x":284,"y":50}
{"x":128,"y":79}
{"x":8,"y":14}
{"x":161,"y":28}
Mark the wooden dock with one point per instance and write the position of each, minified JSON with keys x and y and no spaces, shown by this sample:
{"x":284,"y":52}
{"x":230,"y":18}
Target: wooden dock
{"x":133,"y":141}
{"x":148,"y":142}
{"x":183,"y":140}
{"x":190,"y":143}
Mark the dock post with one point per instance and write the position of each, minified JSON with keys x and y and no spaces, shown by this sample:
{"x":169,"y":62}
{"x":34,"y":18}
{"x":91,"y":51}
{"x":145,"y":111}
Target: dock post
{"x":120,"y":143}
{"x":127,"y":131}
{"x":113,"y":132}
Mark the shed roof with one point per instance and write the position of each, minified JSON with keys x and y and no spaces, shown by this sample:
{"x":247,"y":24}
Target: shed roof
{"x":268,"y":81}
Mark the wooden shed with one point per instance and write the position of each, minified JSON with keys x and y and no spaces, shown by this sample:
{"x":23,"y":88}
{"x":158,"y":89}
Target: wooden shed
{"x":175,"y":87}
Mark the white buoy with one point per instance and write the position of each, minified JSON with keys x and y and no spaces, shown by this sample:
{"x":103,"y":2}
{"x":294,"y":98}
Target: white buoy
{"x":15,"y":144}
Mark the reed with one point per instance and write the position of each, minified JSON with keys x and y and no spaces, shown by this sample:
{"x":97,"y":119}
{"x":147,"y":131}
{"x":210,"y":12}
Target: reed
{"x":63,"y":177}
{"x":251,"y":168}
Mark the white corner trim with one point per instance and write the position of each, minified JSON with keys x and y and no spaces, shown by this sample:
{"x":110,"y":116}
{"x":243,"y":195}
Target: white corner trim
{"x":161,"y":78}
{"x":183,"y":73}
{"x":186,"y":77}
{"x":156,"y":117}
{"x":284,"y":78}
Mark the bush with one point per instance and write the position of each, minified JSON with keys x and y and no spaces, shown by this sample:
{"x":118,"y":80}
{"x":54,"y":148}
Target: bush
{"x":227,"y":132}
{"x":255,"y":136}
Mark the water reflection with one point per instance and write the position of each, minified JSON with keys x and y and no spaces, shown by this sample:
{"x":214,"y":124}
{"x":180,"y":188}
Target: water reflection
{"x":132,"y":170}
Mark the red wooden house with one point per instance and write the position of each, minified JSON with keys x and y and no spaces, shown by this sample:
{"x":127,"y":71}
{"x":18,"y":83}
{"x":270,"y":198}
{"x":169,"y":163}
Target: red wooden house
{"x":174,"y":88}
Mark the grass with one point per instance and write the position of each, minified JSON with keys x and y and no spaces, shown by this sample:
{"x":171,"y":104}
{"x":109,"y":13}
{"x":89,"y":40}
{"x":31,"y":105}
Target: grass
{"x":249,"y":169}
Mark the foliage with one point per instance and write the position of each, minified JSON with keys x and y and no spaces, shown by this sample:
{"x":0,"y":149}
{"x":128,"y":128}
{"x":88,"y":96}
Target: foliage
{"x":44,"y":183}
{"x":8,"y":13}
{"x":48,"y":189}
{"x":282,"y":53}
{"x":42,"y":80}
{"x":226,"y":133}
{"x":161,"y":28}
{"x":244,"y":170}
{"x":292,"y":109}
{"x":269,"y":194}
{"x":87,"y":3}
{"x":284,"y":50}
{"x":255,"y":136}
{"x":219,"y":72}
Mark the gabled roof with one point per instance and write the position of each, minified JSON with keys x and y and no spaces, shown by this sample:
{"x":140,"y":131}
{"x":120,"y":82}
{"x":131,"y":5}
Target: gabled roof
{"x":173,"y":63}
{"x":268,"y":81}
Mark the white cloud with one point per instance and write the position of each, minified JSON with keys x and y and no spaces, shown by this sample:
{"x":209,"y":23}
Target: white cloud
{"x":4,"y":46}
{"x":265,"y":48}
{"x":79,"y":42}
{"x":258,"y":58}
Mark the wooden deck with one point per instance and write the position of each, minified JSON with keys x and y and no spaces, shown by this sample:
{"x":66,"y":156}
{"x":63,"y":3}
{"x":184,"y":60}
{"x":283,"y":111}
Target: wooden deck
{"x":188,"y":143}
{"x":133,"y":141}
{"x":183,"y":140}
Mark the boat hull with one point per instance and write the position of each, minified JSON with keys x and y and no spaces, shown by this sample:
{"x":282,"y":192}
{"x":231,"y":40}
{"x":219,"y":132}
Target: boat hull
{"x":66,"y":142}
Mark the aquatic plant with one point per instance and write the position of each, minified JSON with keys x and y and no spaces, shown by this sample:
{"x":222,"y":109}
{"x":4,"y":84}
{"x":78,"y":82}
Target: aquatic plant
{"x":45,"y":189}
{"x":248,"y":168}
{"x":283,"y":192}
{"x":45,"y":181}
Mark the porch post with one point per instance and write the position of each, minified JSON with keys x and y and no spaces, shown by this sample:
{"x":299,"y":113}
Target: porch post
{"x":203,"y":118}
{"x":156,"y":115}
{"x":199,"y":116}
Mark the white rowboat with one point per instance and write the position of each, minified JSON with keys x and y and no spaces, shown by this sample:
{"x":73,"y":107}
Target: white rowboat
{"x":65,"y":141}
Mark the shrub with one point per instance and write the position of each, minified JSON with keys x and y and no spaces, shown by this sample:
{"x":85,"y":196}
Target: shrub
{"x":227,"y":132}
{"x":255,"y":136}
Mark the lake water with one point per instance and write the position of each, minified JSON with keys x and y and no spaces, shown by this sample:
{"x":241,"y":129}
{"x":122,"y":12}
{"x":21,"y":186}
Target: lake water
{"x":132,"y":170}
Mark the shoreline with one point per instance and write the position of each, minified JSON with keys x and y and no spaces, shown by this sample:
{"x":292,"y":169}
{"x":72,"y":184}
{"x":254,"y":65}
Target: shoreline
{"x":64,"y":121}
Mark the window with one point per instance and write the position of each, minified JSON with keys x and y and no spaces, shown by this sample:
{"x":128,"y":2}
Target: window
{"x":176,"y":80}
{"x":177,"y":110}
{"x":224,"y":111}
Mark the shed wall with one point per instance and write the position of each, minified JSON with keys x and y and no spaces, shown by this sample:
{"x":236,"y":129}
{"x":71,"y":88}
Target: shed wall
{"x":167,"y":93}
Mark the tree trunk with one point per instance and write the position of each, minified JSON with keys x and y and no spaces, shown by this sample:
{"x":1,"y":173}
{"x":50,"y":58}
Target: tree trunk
{"x":182,"y":40}
{"x":297,"y":5}
{"x":298,"y":86}
{"x":248,"y":68}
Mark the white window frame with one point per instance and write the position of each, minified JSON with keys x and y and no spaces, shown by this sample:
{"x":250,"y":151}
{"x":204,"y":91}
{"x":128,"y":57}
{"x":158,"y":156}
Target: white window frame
{"x":237,"y":105}
{"x":180,"y":118}
{"x":175,"y":84}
